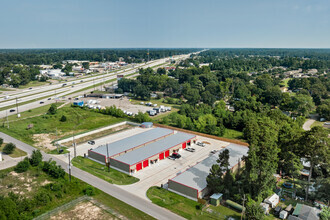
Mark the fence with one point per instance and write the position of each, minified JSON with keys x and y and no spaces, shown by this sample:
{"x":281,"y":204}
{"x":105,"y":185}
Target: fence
{"x":73,"y":203}
{"x":205,"y":135}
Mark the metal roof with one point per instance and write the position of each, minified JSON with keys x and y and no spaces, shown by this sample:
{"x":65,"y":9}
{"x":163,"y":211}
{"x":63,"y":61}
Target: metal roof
{"x":132,"y":141}
{"x":195,"y":177}
{"x":154,"y":148}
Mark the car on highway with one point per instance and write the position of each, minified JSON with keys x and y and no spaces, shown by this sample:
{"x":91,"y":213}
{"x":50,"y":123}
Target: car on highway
{"x":11,"y":110}
{"x":49,"y":98}
{"x":30,"y":88}
{"x":41,"y":102}
{"x":190,"y":149}
{"x":91,"y":142}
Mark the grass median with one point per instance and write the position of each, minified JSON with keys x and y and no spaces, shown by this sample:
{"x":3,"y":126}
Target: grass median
{"x":101,"y":171}
{"x":16,"y":153}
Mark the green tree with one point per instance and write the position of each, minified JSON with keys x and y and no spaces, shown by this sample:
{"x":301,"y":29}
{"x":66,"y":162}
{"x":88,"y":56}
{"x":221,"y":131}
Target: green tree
{"x":142,"y":92}
{"x":302,"y":104}
{"x":8,"y":209}
{"x":142,"y":117}
{"x":315,"y":147}
{"x":9,"y":148}
{"x":1,"y":141}
{"x":192,"y":96}
{"x":63,"y":118}
{"x":36,"y":158}
{"x":52,"y":109}
{"x":325,"y":214}
{"x":85,"y":65}
{"x":253,"y":210}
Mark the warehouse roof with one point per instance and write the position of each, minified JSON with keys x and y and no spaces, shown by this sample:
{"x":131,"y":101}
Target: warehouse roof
{"x":154,"y":148}
{"x":132,"y":141}
{"x":195,"y":177}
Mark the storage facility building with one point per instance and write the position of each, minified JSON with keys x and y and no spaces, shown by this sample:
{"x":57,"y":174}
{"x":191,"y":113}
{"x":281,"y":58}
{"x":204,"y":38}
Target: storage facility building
{"x":123,"y":146}
{"x":151,"y":153}
{"x":192,"y":182}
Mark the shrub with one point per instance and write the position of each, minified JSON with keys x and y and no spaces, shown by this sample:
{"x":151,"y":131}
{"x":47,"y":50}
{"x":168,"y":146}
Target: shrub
{"x":9,"y":148}
{"x":36,"y":158}
{"x":53,"y":109}
{"x":22,"y":166}
{"x":42,"y":197}
{"x":1,"y":141}
{"x":63,"y":118}
{"x":53,"y":170}
{"x":89,"y":191}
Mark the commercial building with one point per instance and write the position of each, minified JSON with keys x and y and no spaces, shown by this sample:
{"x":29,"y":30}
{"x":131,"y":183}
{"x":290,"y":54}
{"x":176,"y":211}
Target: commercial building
{"x":151,"y":153}
{"x":128,"y":144}
{"x":192,"y":182}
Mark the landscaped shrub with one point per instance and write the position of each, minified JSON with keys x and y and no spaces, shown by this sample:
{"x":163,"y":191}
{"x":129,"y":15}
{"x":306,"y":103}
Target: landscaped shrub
{"x":63,"y":118}
{"x":1,"y":141}
{"x":22,"y":166}
{"x":9,"y":148}
{"x":89,"y":190}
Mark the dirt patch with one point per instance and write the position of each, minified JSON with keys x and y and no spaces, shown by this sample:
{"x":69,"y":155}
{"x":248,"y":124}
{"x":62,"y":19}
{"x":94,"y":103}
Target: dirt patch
{"x":45,"y":182}
{"x":85,"y":210}
{"x":44,"y":141}
{"x":13,"y":173}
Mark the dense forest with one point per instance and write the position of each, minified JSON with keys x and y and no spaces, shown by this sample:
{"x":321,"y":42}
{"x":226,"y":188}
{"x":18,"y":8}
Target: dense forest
{"x":51,"y":56}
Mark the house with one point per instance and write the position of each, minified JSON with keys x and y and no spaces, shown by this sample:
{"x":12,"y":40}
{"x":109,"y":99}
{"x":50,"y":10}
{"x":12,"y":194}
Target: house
{"x":305,"y":212}
{"x":272,"y":200}
{"x":52,"y":73}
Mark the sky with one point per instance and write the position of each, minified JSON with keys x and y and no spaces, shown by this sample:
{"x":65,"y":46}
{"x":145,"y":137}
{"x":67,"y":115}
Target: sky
{"x":165,"y":23}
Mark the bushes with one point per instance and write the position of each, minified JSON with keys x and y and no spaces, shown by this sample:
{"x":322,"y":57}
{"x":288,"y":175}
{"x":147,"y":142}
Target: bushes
{"x":53,"y":170}
{"x":36,"y":158}
{"x":53,"y":109}
{"x":89,"y":191}
{"x":63,"y":118}
{"x":1,"y":141}
{"x":22,"y":166}
{"x":9,"y":148}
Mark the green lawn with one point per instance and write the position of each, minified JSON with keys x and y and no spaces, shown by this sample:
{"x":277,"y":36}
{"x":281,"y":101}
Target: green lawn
{"x":33,"y":84}
{"x":317,"y":123}
{"x":188,"y":208}
{"x":285,"y":82}
{"x":101,"y":171}
{"x":16,"y":153}
{"x":233,"y":134}
{"x":78,"y":121}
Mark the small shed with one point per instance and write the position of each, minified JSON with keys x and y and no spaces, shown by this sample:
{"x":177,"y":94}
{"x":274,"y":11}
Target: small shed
{"x":283,"y":214}
{"x":147,"y":125}
{"x":272,"y":200}
{"x":215,"y":199}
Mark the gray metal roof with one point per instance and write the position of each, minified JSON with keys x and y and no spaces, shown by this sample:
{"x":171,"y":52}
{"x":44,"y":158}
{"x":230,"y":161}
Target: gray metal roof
{"x":132,"y":141}
{"x":154,"y":148}
{"x":195,"y":177}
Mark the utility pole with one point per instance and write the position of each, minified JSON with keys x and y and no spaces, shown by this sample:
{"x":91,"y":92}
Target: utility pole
{"x":69,"y":167}
{"x":108,"y":159}
{"x":243,"y":207}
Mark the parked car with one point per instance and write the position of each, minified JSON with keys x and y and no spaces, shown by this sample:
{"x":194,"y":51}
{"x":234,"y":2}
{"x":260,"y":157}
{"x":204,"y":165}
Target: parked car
{"x":190,"y":149}
{"x":213,"y":151}
{"x":11,"y":110}
{"x":171,"y":158}
{"x":41,"y":102}
{"x":200,"y":144}
{"x":91,"y":142}
{"x":176,"y":155}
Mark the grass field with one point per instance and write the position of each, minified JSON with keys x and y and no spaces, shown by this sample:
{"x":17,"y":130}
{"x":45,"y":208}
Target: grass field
{"x":47,"y":126}
{"x":101,"y":171}
{"x":317,"y":123}
{"x":233,"y":134}
{"x":16,"y":153}
{"x":285,"y":82}
{"x":33,"y":84}
{"x":187,"y":208}
{"x":34,"y":183}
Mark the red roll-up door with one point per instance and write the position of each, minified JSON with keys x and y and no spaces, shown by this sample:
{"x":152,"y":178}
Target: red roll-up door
{"x":145,"y":163}
{"x":138,"y":166}
{"x":167,"y":153}
{"x":184,"y":145}
{"x":161,"y":156}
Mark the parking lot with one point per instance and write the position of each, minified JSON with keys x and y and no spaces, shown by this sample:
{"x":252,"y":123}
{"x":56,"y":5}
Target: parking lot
{"x":160,"y":172}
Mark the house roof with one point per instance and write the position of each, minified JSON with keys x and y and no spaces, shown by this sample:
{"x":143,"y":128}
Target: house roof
{"x":305,"y":212}
{"x":154,"y":148}
{"x":132,"y":141}
{"x":195,"y":177}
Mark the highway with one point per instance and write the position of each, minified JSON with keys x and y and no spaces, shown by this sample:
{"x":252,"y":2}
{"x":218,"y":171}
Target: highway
{"x":58,"y":90}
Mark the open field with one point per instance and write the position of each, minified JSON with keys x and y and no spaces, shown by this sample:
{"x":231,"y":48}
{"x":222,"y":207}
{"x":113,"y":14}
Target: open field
{"x":47,"y":128}
{"x":101,"y":171}
{"x":188,"y":208}
{"x":16,"y":153}
{"x":233,"y":134}
{"x":33,"y":84}
{"x":44,"y":193}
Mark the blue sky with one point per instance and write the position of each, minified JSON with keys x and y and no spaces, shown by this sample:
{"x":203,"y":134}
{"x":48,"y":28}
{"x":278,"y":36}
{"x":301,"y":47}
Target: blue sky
{"x":171,"y":23}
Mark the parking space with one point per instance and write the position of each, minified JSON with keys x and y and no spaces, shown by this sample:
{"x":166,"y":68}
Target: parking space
{"x":160,"y":172}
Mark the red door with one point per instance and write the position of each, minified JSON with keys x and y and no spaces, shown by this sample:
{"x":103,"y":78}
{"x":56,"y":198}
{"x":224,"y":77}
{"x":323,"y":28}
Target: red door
{"x":167,"y":153}
{"x":161,"y":156}
{"x":138,"y":166}
{"x":145,"y":163}
{"x":184,"y":145}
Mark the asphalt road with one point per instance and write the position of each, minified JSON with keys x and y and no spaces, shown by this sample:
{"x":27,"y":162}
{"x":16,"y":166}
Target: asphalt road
{"x":127,"y":197}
